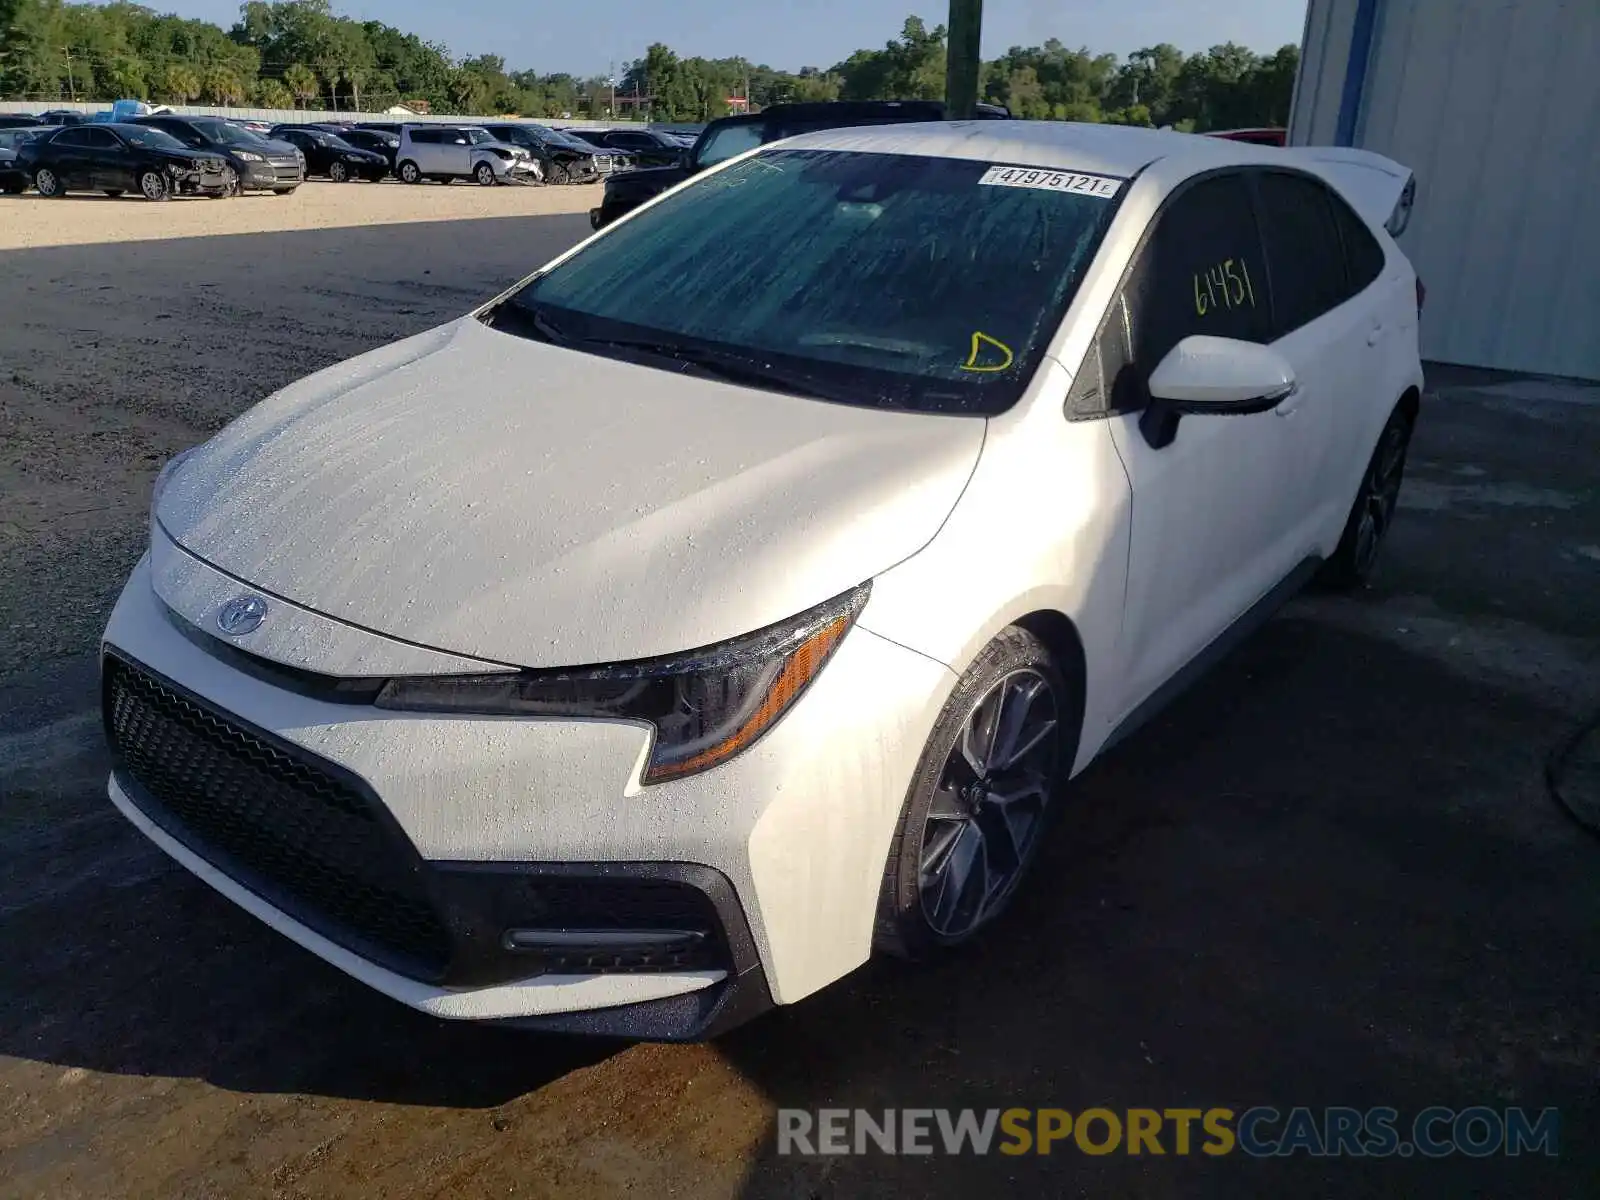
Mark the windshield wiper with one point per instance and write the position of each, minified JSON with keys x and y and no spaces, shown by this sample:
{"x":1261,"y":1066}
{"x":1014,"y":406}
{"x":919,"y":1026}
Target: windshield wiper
{"x":729,"y":366}
{"x":750,"y":370}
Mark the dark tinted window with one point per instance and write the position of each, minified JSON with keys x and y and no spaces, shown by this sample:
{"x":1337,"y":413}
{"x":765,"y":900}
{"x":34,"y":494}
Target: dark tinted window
{"x":1304,"y":256}
{"x":1201,"y":272}
{"x":99,"y":139}
{"x":425,"y":137}
{"x":1363,"y":257}
{"x":71,"y":137}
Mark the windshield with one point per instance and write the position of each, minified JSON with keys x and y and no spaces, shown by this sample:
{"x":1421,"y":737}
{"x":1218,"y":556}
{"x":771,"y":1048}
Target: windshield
{"x":149,"y":139}
{"x":332,"y":141}
{"x":889,"y":280}
{"x":10,"y":139}
{"x":479,"y":137}
{"x":228,"y":135}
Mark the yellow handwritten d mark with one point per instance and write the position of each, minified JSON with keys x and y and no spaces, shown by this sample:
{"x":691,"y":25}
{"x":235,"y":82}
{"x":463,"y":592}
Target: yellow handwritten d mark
{"x":978,"y":338}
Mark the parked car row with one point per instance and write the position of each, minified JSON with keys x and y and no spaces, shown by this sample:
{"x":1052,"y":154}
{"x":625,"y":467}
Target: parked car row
{"x":166,"y":154}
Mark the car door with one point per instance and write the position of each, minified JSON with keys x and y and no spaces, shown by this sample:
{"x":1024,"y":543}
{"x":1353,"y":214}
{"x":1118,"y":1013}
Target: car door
{"x":457,"y":152}
{"x":68,"y":156}
{"x":107,"y":160}
{"x":1210,"y":536}
{"x":1331,"y":333}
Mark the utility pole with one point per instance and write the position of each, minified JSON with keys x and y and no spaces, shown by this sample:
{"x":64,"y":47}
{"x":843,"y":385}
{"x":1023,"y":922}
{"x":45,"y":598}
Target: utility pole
{"x":962,"y":58}
{"x":72,"y":87}
{"x":611,"y":113}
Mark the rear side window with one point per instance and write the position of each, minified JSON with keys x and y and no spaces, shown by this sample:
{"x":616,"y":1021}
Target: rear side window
{"x":99,"y":139}
{"x":1305,"y":257}
{"x":426,"y":137}
{"x":71,"y":137}
{"x":1201,"y":272}
{"x":1363,"y":257}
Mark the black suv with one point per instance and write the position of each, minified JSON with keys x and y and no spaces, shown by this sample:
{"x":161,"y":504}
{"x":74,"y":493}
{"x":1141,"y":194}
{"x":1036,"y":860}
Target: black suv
{"x":261,"y":166}
{"x":647,"y":147}
{"x":728,"y":136}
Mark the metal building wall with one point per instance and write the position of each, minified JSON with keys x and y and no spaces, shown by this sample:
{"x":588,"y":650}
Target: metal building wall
{"x":1496,"y":106}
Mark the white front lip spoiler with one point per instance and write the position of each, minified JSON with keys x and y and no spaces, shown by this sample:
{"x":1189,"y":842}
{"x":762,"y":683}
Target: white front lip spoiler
{"x":529,"y":997}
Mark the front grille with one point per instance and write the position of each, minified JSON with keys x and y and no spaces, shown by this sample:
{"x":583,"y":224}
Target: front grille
{"x":303,"y":834}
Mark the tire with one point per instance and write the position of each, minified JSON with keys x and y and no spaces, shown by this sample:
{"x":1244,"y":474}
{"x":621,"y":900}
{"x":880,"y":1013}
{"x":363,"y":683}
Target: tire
{"x":559,"y":173}
{"x":153,"y":186}
{"x":993,"y":817}
{"x":289,"y":191}
{"x":409,"y":172}
{"x":47,"y":183}
{"x":114,"y":193}
{"x":338,"y":172}
{"x":484,"y":174}
{"x":1372,"y":514}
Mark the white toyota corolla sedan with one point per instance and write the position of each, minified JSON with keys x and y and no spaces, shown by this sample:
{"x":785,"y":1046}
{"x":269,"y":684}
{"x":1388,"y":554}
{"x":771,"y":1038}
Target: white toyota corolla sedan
{"x":738,"y":594}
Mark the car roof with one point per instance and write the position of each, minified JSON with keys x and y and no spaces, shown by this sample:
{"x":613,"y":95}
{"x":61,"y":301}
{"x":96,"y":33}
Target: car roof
{"x":1119,"y":150}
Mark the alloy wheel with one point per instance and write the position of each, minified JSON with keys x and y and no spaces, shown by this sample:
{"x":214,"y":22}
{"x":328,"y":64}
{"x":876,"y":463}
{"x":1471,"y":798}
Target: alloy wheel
{"x":485,"y":175}
{"x":1380,"y":493}
{"x":45,"y":182}
{"x":338,"y":172}
{"x":989,"y":807}
{"x":153,"y":185}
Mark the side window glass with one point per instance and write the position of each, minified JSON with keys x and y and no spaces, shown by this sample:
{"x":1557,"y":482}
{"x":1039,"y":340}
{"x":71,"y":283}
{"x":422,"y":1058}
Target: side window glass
{"x":1363,"y":257}
{"x":1201,"y":272}
{"x":1304,"y":254}
{"x":1106,"y":382}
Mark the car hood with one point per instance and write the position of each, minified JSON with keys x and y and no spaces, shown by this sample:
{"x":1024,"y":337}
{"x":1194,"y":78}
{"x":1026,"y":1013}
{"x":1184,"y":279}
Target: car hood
{"x":480,"y":493}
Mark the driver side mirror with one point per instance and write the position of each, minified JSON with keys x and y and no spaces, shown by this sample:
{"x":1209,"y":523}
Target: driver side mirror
{"x":1213,"y":375}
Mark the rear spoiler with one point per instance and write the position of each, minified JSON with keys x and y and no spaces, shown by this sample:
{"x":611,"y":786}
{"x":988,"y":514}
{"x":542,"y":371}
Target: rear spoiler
{"x":1380,"y":189}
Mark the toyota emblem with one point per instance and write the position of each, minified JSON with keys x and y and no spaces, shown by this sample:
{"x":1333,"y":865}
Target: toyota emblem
{"x":241,"y":615}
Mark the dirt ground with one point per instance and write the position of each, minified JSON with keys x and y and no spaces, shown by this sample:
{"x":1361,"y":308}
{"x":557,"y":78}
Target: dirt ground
{"x":1330,"y":875}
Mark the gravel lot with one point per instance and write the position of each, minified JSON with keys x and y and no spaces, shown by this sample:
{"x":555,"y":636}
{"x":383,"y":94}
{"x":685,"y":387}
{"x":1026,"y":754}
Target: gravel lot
{"x":1331,"y":875}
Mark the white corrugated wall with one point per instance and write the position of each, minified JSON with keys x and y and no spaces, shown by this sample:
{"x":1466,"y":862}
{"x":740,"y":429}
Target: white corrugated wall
{"x":1496,"y":105}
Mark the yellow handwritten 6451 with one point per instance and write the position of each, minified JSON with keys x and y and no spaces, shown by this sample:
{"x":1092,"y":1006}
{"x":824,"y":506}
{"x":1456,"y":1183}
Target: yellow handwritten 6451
{"x":1226,"y":285}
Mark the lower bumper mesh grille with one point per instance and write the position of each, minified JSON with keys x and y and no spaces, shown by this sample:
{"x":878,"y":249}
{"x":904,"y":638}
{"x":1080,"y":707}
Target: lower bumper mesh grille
{"x":304,"y":835}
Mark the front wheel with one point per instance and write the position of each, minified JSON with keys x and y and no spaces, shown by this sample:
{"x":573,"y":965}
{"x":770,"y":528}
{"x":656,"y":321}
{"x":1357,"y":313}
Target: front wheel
{"x":484,"y":174}
{"x":338,"y":172}
{"x":153,"y":185}
{"x":47,"y":183}
{"x":410,"y":173}
{"x":978,"y":805}
{"x":1372,"y":514}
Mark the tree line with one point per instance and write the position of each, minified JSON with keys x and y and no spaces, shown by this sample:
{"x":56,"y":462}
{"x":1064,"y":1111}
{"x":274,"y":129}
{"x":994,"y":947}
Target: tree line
{"x":298,"y":53}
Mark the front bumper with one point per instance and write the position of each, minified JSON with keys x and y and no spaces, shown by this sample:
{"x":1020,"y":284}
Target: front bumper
{"x":784,"y":844}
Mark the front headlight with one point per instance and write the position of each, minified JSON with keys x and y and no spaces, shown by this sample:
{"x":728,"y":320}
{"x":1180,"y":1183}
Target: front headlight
{"x":705,"y":706}
{"x":249,"y":156}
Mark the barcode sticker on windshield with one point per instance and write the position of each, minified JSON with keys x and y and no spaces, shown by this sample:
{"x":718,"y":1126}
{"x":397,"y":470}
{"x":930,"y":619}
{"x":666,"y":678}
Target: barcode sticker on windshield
{"x":1075,"y":182}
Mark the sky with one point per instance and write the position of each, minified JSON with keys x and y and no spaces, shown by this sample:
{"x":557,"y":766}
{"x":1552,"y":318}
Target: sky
{"x":584,"y":39}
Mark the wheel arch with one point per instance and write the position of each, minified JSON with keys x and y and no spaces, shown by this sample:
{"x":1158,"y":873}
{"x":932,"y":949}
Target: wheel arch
{"x":1060,"y":635}
{"x":1410,"y":403}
